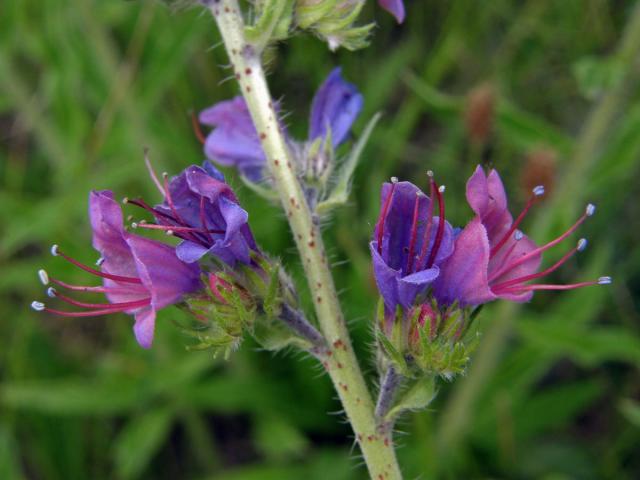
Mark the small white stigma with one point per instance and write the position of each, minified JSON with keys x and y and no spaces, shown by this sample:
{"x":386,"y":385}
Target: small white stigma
{"x":394,"y":179}
{"x":44,"y":276}
{"x":582,"y":244}
{"x":605,"y":281}
{"x":54,"y":250}
{"x":518,"y":235}
{"x":430,"y":173}
{"x":538,"y":190}
{"x":51,"y":292}
{"x":100,"y":261}
{"x":37,"y":306}
{"x":125,"y":200}
{"x":590,"y":210}
{"x":442,"y":188}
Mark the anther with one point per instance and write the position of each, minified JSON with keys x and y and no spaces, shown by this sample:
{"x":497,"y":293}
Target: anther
{"x":394,"y":179}
{"x":582,"y":244}
{"x":134,"y":225}
{"x":518,"y":235}
{"x":54,"y":250}
{"x":51,"y":292}
{"x":538,"y":190}
{"x":604,"y":280}
{"x":44,"y":276}
{"x":100,"y":261}
{"x":125,"y":200}
{"x":37,"y":306}
{"x":590,"y":210}
{"x":442,"y":188}
{"x":430,"y":173}
{"x":169,"y":232}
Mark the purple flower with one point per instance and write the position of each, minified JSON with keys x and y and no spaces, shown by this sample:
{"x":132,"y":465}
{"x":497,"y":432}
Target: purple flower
{"x":139,"y":275}
{"x":394,"y":7}
{"x":335,"y":107}
{"x":492,"y":258}
{"x":234,"y":141}
{"x":409,"y":243}
{"x":202,"y":210}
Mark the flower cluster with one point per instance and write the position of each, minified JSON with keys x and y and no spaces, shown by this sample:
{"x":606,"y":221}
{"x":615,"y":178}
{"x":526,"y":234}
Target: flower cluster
{"x":234,"y":140}
{"x":431,"y":276}
{"x":216,"y":271}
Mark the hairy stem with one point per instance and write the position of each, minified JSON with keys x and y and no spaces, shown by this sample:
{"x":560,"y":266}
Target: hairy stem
{"x":341,"y":363}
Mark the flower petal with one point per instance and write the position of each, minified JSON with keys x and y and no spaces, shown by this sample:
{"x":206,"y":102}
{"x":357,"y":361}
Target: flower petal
{"x":144,"y":326}
{"x":463,"y":276}
{"x":336,"y":105}
{"x":394,"y":7}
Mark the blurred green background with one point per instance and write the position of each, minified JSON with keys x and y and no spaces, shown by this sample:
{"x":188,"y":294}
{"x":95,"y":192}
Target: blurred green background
{"x":553,"y":390}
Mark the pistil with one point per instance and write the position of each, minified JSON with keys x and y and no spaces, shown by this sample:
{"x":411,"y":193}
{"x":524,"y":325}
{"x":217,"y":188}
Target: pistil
{"x":384,"y":212}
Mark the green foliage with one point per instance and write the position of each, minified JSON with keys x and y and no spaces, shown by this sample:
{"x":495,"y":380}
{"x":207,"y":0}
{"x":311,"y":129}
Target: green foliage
{"x":85,"y":85}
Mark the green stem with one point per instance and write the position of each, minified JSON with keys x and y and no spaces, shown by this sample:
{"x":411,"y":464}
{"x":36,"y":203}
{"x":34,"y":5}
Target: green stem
{"x":341,"y":364}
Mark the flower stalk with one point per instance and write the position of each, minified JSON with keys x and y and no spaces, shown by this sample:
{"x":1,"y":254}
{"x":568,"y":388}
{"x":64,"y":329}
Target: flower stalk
{"x":341,"y":363}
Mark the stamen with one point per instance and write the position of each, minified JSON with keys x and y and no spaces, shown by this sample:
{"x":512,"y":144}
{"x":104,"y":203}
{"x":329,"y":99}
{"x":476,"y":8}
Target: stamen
{"x":152,"y":172}
{"x":427,"y":230}
{"x":118,"y":307}
{"x":98,"y":289}
{"x":51,"y":292}
{"x":203,"y":220}
{"x":384,"y":212}
{"x":605,"y":280}
{"x":571,"y":286}
{"x":518,"y":235}
{"x":519,"y":261}
{"x":590,"y":210}
{"x":440,"y":232}
{"x":196,"y":129}
{"x":55,"y":250}
{"x":44,"y":277}
{"x":582,"y":243}
{"x":414,"y":231}
{"x":536,"y":192}
{"x":172,"y":228}
{"x":100,"y":261}
{"x":37,"y":306}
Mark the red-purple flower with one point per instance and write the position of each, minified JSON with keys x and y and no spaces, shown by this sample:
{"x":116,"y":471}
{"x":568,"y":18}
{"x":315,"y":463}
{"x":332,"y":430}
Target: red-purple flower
{"x":394,"y":7}
{"x":202,"y":210}
{"x":409,"y":242}
{"x":140,"y":276}
{"x":493,"y":259}
{"x":234,"y":140}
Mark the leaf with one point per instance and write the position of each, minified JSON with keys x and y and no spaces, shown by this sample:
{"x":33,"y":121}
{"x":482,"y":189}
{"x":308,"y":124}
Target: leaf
{"x":417,"y":397}
{"x":140,"y":440}
{"x":340,"y":193}
{"x":631,"y":411}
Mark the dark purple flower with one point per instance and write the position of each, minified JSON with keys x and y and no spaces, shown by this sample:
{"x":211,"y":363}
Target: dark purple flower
{"x":335,"y":107}
{"x":492,"y":258}
{"x":394,"y":7}
{"x":139,"y":275}
{"x":234,"y":140}
{"x":202,"y":210}
{"x":409,"y":242}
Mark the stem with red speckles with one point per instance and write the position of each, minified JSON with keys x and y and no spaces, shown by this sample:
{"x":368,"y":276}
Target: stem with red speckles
{"x":341,"y":363}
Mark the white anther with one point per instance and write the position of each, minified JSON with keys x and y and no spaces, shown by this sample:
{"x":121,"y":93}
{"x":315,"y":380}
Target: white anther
{"x":604,"y":280}
{"x":590,"y":210}
{"x":430,"y":173}
{"x":44,"y":277}
{"x":134,"y":225}
{"x":582,"y":244}
{"x":51,"y":292}
{"x":518,"y":235}
{"x":165,"y":175}
{"x":37,"y":306}
{"x":100,"y":261}
{"x":125,"y":200}
{"x":442,"y":188}
{"x":538,"y":190}
{"x":394,"y":179}
{"x":169,"y":232}
{"x":54,"y":250}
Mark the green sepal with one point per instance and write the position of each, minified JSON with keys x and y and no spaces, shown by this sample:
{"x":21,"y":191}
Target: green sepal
{"x":392,"y":354}
{"x":275,"y":335}
{"x":340,"y":193}
{"x":273,"y":23}
{"x":417,"y":397}
{"x":270,"y":303}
